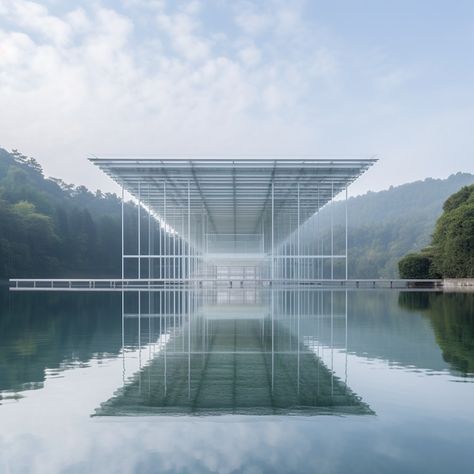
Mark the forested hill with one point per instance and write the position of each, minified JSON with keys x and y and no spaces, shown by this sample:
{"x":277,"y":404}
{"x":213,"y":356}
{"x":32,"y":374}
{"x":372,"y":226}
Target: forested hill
{"x":50,"y":228}
{"x":386,"y":225}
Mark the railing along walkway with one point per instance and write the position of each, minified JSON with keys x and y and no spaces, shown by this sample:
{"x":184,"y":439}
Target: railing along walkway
{"x":134,"y":284}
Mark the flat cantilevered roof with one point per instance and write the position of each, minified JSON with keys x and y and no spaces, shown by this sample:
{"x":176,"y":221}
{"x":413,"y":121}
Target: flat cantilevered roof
{"x":234,"y":192}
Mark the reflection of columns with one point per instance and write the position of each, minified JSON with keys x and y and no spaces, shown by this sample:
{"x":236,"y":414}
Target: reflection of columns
{"x":123,"y":335}
{"x":345,"y":320}
{"x":189,"y":344}
{"x":139,"y":329}
{"x":139,"y":343}
{"x":165,"y":341}
{"x":320,"y":307}
{"x":273,"y":335}
{"x":298,"y":348}
{"x":332,"y":342}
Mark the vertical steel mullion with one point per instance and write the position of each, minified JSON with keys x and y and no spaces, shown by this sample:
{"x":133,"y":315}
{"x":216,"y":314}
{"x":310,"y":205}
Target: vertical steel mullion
{"x":298,"y":243}
{"x":165,"y":233}
{"x":346,"y":259}
{"x":160,"y":252}
{"x":314,"y":242}
{"x":174,"y":254}
{"x":183,"y":247}
{"x":149,"y":244}
{"x":273,"y":235}
{"x":139,"y":229}
{"x":123,"y":236}
{"x":318,"y":230}
{"x":189,"y":231}
{"x":332,"y":231}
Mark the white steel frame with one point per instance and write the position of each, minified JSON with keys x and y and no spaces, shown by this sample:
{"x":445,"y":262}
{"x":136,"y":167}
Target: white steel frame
{"x":192,"y":201}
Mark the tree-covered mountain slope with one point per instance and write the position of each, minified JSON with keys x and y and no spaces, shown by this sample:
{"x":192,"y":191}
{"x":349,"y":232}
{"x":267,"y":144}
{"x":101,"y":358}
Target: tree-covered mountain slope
{"x":451,"y":253}
{"x":49,"y":228}
{"x":386,"y":225}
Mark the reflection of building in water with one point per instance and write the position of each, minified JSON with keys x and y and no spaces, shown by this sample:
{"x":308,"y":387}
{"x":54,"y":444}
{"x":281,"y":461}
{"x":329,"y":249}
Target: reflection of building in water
{"x":244,"y":353}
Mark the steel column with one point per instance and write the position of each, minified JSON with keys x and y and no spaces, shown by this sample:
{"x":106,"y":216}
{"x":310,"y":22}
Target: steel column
{"x":298,"y":262}
{"x":347,"y":266}
{"x":139,"y":229}
{"x":332,"y":231}
{"x":123,"y":246}
{"x":273,"y":232}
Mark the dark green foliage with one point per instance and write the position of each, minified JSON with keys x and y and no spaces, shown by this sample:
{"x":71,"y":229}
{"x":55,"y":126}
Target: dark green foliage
{"x":386,"y":225}
{"x":51,"y":229}
{"x":415,"y":265}
{"x":452,"y":249}
{"x":453,"y":239}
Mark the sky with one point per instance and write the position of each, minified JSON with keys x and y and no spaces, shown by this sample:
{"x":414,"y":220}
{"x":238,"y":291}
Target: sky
{"x":393,"y":79}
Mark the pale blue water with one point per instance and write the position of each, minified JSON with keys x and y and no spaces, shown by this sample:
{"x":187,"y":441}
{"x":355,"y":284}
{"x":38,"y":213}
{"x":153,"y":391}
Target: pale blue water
{"x":282,"y":381}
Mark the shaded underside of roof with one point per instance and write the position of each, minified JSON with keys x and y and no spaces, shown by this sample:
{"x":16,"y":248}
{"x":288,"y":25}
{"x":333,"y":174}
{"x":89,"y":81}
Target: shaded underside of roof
{"x":235,"y":194}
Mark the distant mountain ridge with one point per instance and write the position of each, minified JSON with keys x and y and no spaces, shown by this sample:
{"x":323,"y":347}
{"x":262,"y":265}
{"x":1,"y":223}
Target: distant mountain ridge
{"x":386,"y":225}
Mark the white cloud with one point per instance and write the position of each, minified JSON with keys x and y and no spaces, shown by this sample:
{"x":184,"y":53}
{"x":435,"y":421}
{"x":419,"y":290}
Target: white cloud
{"x":182,"y":30}
{"x":250,"y":55}
{"x":78,"y":20}
{"x":35,"y":17}
{"x":161,"y":77}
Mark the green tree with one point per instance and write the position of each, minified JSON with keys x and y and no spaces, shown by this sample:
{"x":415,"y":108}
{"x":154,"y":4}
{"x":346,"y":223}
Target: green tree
{"x":453,"y":238}
{"x":415,"y":265}
{"x":451,"y":254}
{"x":49,"y":228}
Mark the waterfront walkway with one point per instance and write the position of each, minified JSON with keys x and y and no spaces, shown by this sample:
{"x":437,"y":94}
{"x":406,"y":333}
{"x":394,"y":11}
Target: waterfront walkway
{"x":134,"y":284}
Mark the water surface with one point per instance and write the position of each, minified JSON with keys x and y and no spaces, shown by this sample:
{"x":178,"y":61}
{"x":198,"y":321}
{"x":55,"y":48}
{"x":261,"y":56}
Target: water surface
{"x":236,"y":381}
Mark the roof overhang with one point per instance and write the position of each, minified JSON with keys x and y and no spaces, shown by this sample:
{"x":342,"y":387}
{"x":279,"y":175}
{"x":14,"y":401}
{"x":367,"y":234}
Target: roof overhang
{"x":235,"y":193}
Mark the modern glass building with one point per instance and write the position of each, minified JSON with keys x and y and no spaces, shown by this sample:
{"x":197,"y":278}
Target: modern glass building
{"x":232,"y":219}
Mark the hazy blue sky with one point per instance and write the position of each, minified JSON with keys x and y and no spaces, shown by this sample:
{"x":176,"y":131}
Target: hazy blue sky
{"x":393,"y":78}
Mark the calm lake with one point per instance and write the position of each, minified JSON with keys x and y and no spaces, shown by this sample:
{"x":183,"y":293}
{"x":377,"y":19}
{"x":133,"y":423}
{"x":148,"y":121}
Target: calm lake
{"x":237,"y":380}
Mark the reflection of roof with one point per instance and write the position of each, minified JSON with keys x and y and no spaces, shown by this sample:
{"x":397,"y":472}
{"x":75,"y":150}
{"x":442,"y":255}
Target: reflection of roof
{"x":233,"y":375}
{"x":234,"y":192}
